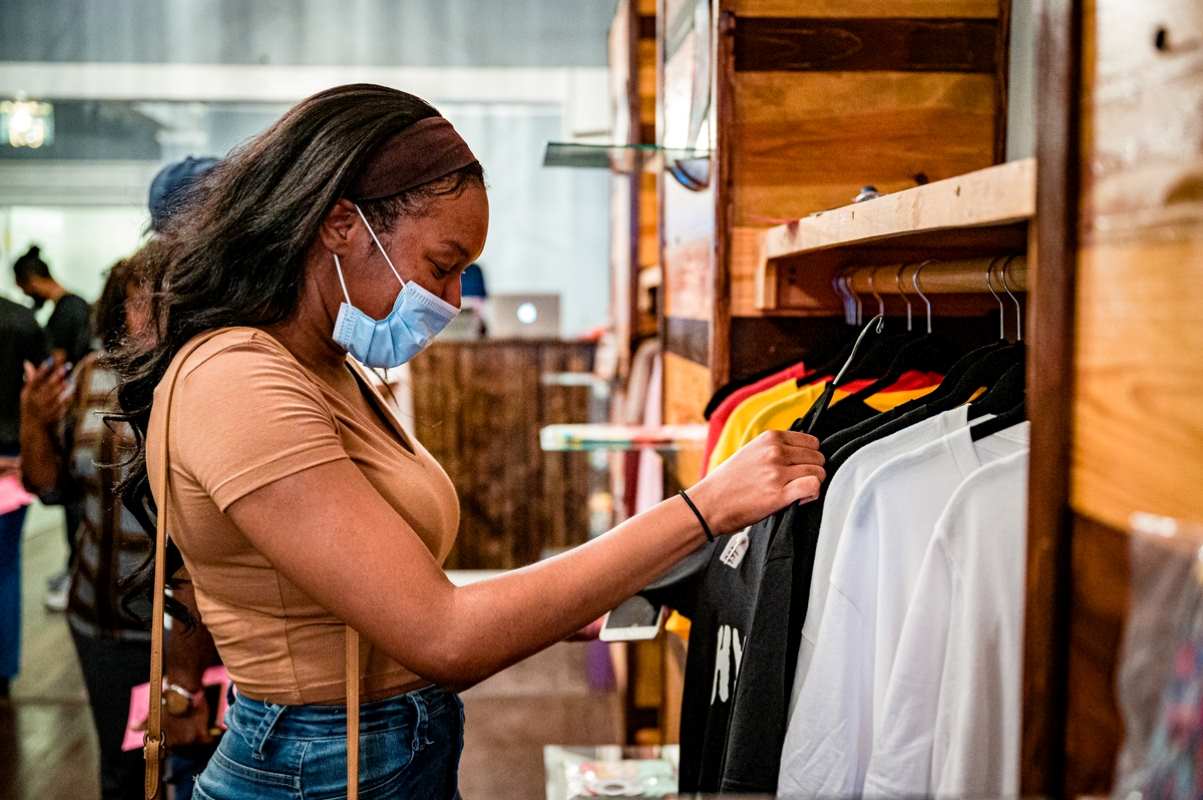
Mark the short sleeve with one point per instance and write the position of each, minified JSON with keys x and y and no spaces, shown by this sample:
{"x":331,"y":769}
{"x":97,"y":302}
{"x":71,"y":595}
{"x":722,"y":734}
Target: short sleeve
{"x":246,"y":416}
{"x":69,"y":327}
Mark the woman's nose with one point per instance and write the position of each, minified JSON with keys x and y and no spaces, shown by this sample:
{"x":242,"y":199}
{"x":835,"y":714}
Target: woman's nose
{"x":452,"y":292}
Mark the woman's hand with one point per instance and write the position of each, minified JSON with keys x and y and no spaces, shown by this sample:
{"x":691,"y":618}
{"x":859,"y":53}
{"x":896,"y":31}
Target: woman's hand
{"x":589,"y":633}
{"x":46,"y":394}
{"x":775,"y":469}
{"x":10,"y":466}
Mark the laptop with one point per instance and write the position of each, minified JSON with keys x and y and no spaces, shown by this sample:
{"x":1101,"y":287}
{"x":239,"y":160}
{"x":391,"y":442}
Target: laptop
{"x":524,"y":316}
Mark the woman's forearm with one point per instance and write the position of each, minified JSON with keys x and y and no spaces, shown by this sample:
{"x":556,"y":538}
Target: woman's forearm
{"x":191,"y":650}
{"x":41,"y":463}
{"x":500,"y":621}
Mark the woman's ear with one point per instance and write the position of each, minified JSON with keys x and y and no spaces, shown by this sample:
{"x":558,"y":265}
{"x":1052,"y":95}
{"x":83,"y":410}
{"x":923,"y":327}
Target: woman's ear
{"x":338,"y":227}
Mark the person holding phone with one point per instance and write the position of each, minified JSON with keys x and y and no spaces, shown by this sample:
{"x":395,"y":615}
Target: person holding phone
{"x":21,"y":340}
{"x":298,"y":503}
{"x":69,"y":335}
{"x":69,"y":449}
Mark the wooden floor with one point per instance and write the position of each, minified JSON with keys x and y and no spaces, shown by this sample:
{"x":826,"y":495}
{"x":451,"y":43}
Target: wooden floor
{"x":48,"y":749}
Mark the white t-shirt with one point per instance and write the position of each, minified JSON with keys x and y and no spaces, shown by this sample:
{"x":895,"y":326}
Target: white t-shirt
{"x":950,"y":724}
{"x":841,"y":491}
{"x":885,"y":538}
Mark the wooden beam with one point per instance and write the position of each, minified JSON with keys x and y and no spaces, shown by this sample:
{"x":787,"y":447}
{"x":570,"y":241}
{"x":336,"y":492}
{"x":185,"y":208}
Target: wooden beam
{"x":791,"y":44}
{"x":1050,"y":392}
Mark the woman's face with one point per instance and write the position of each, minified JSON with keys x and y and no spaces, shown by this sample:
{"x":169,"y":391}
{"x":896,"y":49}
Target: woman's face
{"x":431,"y":249}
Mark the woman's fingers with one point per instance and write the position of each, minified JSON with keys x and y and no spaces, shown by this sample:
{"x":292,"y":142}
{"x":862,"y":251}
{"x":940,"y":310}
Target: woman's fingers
{"x":803,"y":455}
{"x":803,"y":489}
{"x":793,"y":473}
{"x":798,"y":439}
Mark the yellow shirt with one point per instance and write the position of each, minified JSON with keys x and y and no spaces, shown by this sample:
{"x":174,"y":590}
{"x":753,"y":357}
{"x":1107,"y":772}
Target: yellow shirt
{"x":729,"y":439}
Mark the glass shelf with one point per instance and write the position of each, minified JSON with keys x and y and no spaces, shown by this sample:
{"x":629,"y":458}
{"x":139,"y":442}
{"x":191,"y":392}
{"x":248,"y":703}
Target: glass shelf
{"x":587,"y":380}
{"x":625,"y":158}
{"x":589,"y":437}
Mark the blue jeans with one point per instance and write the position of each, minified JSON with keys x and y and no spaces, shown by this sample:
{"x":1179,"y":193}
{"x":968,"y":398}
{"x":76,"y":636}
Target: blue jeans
{"x":10,"y":592}
{"x":409,"y":747}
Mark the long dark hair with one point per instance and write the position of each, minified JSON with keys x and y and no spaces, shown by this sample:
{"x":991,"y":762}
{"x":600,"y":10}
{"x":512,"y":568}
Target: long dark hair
{"x":234,"y":251}
{"x":108,"y":313}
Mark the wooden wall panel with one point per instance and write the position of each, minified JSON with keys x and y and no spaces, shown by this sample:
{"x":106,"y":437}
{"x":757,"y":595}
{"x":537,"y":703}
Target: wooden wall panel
{"x":1138,"y":441}
{"x":649,"y":221}
{"x":1100,"y":599}
{"x":686,"y":392}
{"x":1138,"y":408}
{"x":884,"y":45}
{"x":809,"y":141}
{"x":745,"y":269}
{"x":866,"y":8}
{"x":1136,"y":374}
{"x":645,"y":66}
{"x":478,"y":407}
{"x":688,"y":338}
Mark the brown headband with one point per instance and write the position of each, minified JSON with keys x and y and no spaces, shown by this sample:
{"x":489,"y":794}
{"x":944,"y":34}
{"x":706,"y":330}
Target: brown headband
{"x":425,"y":151}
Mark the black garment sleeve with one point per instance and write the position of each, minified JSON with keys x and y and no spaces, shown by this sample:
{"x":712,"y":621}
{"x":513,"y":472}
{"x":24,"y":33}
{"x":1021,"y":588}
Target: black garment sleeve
{"x":70,"y":327}
{"x":33,"y":343}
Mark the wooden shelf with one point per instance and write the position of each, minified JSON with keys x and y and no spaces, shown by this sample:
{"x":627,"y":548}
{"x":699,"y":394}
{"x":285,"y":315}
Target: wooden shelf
{"x":980,"y":214}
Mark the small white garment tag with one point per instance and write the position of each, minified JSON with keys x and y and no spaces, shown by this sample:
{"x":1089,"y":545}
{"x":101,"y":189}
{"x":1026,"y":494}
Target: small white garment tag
{"x":736,"y":549}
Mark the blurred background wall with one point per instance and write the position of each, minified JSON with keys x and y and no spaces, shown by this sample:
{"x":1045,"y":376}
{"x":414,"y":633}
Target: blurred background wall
{"x":136,"y":83}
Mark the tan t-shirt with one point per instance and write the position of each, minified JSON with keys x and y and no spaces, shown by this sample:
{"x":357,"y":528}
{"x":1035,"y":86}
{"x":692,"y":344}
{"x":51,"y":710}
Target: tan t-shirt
{"x":245,"y":414}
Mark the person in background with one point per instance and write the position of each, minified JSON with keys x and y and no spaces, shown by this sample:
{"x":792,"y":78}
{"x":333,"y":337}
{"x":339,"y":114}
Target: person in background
{"x":69,"y":334}
{"x":170,"y":186}
{"x":68,"y":330}
{"x":21,"y":340}
{"x":69,"y":448}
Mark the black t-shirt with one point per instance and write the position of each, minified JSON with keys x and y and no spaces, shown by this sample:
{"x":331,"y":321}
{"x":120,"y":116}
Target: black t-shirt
{"x":718,"y":598}
{"x":70,"y":327}
{"x":21,"y":340}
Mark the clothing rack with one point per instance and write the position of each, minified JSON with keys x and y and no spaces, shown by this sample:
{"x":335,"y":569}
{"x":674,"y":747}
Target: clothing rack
{"x":960,"y":276}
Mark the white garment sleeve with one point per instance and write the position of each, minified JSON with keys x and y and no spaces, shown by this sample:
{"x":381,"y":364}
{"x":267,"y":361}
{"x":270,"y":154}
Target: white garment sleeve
{"x":822,"y":744}
{"x":829,"y":733}
{"x":900,"y":765}
{"x":978,"y":720}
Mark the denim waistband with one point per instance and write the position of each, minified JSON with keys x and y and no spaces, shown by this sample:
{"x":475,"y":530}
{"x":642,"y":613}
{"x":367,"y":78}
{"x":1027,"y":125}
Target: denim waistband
{"x":259,"y":719}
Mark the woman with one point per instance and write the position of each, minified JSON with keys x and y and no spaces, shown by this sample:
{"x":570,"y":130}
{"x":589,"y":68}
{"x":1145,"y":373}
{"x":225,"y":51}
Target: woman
{"x":296,"y":500}
{"x":67,"y":449}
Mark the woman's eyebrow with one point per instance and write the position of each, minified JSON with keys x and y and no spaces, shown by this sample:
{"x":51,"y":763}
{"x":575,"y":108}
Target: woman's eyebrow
{"x":459,"y":248}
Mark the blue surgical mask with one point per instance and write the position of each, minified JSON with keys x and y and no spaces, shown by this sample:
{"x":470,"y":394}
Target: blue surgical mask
{"x":416,"y":318}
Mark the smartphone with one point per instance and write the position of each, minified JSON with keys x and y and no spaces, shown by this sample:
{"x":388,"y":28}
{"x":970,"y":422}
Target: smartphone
{"x":633,"y":620}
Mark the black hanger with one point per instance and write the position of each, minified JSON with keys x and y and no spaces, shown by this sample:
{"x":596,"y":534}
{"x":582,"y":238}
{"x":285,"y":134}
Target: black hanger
{"x":824,"y":400}
{"x":984,"y":370}
{"x":927,"y":353}
{"x":1003,"y":395}
{"x":1005,"y":420}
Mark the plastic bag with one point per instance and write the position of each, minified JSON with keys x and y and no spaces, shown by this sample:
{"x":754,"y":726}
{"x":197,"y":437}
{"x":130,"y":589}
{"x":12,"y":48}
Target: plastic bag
{"x":1161,"y":664}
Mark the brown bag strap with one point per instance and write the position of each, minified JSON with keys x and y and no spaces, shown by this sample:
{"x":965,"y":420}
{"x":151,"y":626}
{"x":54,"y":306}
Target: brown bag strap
{"x":352,"y":637}
{"x":155,"y":747}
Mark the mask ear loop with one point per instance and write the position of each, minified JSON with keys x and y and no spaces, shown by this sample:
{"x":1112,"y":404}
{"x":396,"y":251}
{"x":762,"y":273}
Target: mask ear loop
{"x":387,"y":260}
{"x":338,"y":268}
